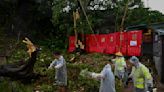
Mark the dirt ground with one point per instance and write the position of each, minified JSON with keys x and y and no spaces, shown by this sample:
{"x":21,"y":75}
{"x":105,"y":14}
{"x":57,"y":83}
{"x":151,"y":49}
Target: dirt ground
{"x":160,"y":88}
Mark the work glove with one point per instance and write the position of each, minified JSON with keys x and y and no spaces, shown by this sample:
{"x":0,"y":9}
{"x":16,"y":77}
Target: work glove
{"x":149,"y":85}
{"x":93,"y":75}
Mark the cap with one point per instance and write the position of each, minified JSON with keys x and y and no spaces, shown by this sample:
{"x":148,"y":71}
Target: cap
{"x":134,"y":59}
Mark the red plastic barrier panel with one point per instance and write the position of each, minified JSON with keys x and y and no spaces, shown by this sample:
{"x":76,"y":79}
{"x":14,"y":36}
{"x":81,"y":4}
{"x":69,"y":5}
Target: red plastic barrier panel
{"x":134,"y":42}
{"x":87,"y":42}
{"x":91,"y":43}
{"x":95,"y":43}
{"x":121,"y":42}
{"x":71,"y":44}
{"x":111,"y":44}
{"x":102,"y":39}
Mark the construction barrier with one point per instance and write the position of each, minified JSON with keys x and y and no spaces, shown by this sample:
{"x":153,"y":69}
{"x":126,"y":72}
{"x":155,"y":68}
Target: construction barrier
{"x":128,"y":43}
{"x":102,"y":40}
{"x":93,"y":43}
{"x":71,"y":44}
{"x":111,"y":43}
{"x":121,"y":42}
{"x":134,"y":43}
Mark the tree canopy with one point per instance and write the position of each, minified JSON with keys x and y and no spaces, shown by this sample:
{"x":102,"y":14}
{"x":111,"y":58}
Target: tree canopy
{"x":51,"y":21}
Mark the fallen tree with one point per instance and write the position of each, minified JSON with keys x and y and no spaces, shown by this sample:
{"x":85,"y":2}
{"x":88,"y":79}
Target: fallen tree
{"x":24,"y":71}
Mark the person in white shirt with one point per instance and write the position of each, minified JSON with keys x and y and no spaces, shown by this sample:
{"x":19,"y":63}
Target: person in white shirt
{"x":61,"y":71}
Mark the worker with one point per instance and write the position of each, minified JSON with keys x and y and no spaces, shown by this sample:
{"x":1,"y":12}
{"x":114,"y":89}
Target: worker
{"x":61,"y":72}
{"x":106,"y":76}
{"x":141,"y":76}
{"x":120,"y":67}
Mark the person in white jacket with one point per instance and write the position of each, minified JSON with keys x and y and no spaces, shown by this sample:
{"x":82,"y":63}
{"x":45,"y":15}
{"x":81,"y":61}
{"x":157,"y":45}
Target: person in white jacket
{"x":61,"y":71}
{"x":107,"y":79}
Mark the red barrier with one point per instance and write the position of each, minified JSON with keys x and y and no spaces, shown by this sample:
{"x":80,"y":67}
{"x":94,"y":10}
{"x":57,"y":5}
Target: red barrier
{"x":121,"y":42}
{"x":129,"y":43}
{"x":96,"y":43}
{"x":87,"y":43}
{"x":111,"y":44}
{"x":71,"y":44}
{"x":134,"y":43}
{"x":93,"y":43}
{"x":102,"y":40}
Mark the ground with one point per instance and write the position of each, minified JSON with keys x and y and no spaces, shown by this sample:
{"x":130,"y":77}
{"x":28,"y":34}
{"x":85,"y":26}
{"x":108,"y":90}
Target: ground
{"x":76,"y":83}
{"x":160,"y":88}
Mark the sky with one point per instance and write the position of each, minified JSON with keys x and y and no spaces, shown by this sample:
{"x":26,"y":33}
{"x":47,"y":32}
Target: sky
{"x":155,"y":5}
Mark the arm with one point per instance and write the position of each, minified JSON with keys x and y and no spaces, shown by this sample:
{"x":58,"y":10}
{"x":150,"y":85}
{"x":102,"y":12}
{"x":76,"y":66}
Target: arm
{"x":148,"y":77}
{"x":113,"y":60}
{"x":61,"y":60}
{"x":59,"y":65}
{"x":125,"y":65}
{"x":88,"y":74}
{"x":146,"y":73}
{"x":132,"y":72}
{"x":52,"y":64}
{"x":97,"y":75}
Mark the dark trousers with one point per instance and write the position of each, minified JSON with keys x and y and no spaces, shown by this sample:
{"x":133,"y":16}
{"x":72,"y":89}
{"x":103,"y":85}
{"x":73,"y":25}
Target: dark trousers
{"x":139,"y":90}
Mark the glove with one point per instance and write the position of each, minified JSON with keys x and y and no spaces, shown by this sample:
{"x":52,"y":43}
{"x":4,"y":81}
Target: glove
{"x":150,"y":89}
{"x":149,"y":85}
{"x":93,"y":75}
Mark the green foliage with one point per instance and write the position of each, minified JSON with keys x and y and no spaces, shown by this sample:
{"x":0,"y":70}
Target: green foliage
{"x":136,"y":15}
{"x":82,"y":84}
{"x":7,"y":85}
{"x":18,"y":55}
{"x":46,"y":88}
{"x":94,"y":63}
{"x":46,"y":21}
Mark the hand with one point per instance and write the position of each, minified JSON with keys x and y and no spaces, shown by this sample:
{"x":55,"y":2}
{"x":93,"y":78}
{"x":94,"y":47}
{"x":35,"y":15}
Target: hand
{"x":93,"y":75}
{"x":56,"y":67}
{"x":49,"y":67}
{"x":150,"y":85}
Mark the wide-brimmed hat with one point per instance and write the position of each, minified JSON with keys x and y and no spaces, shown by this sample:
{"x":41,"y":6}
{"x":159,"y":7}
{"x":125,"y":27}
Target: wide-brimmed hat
{"x":118,"y":54}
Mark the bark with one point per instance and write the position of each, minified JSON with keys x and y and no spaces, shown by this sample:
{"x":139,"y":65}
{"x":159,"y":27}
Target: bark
{"x":24,"y":71}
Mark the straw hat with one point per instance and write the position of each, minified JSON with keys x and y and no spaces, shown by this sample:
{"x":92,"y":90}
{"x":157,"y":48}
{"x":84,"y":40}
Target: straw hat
{"x":118,"y":54}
